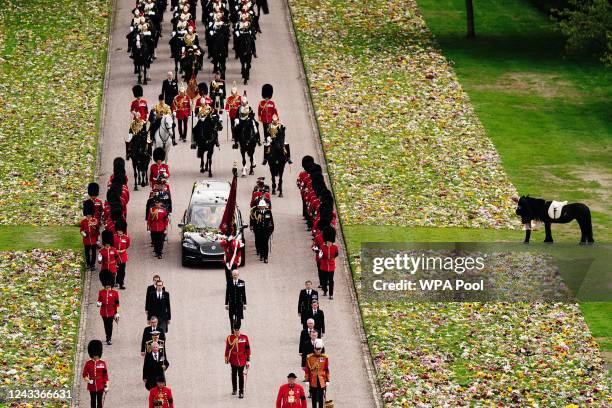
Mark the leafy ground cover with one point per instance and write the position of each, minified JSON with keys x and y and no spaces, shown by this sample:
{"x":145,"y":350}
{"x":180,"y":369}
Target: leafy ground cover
{"x":40,"y":318}
{"x":52,"y":58}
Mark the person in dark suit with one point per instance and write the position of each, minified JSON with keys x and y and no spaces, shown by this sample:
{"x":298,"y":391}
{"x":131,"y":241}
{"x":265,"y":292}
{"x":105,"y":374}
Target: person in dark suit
{"x":305,"y":334}
{"x":169,"y":88}
{"x":151,"y":288}
{"x":146,"y":334}
{"x":307,"y":347}
{"x":317,"y":315}
{"x":158,"y":304}
{"x":306,"y":296}
{"x":155,"y":365}
{"x":235,"y":299}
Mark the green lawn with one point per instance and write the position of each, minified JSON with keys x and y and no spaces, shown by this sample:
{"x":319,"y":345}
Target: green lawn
{"x":24,"y":238}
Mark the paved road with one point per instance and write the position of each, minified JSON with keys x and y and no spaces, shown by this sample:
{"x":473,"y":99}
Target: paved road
{"x":197,"y":373}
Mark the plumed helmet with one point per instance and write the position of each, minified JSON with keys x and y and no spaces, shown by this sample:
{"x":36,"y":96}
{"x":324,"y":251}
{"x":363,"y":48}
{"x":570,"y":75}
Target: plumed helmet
{"x":94,"y":348}
{"x":93,"y":189}
{"x":202,"y":88}
{"x":106,"y":277}
{"x":262,"y":203}
{"x":159,"y":154}
{"x":137,"y":91}
{"x":107,"y":237}
{"x":329,"y":234}
{"x":88,"y":207}
{"x":266,"y":91}
{"x":120,"y":225}
{"x":318,"y":344}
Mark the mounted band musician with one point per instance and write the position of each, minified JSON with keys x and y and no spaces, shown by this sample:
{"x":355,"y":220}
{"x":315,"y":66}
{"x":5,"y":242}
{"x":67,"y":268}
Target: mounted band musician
{"x":247,"y":135}
{"x":206,"y":136}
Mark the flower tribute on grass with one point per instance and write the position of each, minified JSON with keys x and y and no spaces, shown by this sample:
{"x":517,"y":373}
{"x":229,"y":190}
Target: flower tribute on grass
{"x":41,"y":299}
{"x":403,"y":144}
{"x":52,"y":57}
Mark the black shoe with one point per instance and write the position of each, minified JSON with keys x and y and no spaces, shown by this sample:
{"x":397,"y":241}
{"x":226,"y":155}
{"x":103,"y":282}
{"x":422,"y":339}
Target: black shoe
{"x":234,"y":392}
{"x":241,"y":394}
{"x":265,"y":260}
{"x":325,"y":293}
{"x":174,"y":143}
{"x":290,"y":161}
{"x":122,"y":287}
{"x":254,"y":55}
{"x":109,"y":342}
{"x":331,"y":297}
{"x":160,"y":256}
{"x":264,"y":163}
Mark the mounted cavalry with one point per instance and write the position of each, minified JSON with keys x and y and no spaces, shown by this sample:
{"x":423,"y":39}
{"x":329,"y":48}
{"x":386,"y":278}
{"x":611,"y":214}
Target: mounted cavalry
{"x":246,"y":131}
{"x":206,"y":136}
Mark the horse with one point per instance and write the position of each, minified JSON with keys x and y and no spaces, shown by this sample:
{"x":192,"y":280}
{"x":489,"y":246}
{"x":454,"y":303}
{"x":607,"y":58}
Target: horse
{"x":217,"y":49}
{"x":277,"y":159}
{"x":141,"y":156}
{"x":176,"y":43}
{"x":142,"y":57}
{"x":191,"y":64}
{"x":206,"y":137}
{"x":244,"y":49}
{"x":163,"y":135}
{"x":553,"y":212}
{"x":247,"y":135}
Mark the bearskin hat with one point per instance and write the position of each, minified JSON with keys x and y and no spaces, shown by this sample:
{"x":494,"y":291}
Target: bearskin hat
{"x":106,"y":277}
{"x":307,"y":161}
{"x":329,"y":234}
{"x":137,"y":91}
{"x":112,"y":194}
{"x":202,"y":88}
{"x":315,"y":168}
{"x":236,"y":325}
{"x":161,"y":97}
{"x":94,"y":348}
{"x":160,"y":379}
{"x":107,"y":237}
{"x":118,"y":164}
{"x":93,"y":189}
{"x":88,"y":208}
{"x":116,"y":214}
{"x":159,"y":154}
{"x":267,"y":91}
{"x":120,"y":225}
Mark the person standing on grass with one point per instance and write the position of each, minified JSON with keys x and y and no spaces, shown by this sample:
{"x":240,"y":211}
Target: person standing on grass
{"x":90,"y":230}
{"x":328,"y":253}
{"x":95,"y":374}
{"x":121,"y":244}
{"x":108,"y":302}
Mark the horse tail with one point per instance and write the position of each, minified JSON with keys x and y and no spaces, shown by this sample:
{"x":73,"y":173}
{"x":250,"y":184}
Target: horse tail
{"x":586,"y":225}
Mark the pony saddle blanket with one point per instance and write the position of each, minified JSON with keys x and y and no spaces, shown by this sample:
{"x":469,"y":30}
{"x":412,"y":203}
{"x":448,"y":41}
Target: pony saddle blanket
{"x":555,"y":208}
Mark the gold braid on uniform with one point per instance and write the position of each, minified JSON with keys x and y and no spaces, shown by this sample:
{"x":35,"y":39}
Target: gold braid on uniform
{"x":136,"y":126}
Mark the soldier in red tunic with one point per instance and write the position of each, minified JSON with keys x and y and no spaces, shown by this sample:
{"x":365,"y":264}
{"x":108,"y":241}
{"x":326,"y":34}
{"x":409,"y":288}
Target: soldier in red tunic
{"x":157,"y":222}
{"x":267,"y":108}
{"x":93,"y":191}
{"x":95,"y":374}
{"x":181,"y":108}
{"x":232,"y":255}
{"x":238,"y":355}
{"x":203,"y":98}
{"x":121,"y":244}
{"x":139,"y":104}
{"x":108,"y":256}
{"x":161,"y":396}
{"x":90,"y":230}
{"x":232,"y":104}
{"x":108,"y":302}
{"x":159,"y":167}
{"x":317,"y":374}
{"x":291,"y":395}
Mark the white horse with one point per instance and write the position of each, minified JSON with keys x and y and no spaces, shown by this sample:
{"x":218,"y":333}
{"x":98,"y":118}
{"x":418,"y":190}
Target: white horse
{"x":163,"y":135}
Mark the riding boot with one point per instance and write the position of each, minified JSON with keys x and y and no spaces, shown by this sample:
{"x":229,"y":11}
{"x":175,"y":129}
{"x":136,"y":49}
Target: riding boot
{"x":254,"y":49}
{"x":265,"y":156}
{"x":288,"y":153}
{"x":127,"y":151}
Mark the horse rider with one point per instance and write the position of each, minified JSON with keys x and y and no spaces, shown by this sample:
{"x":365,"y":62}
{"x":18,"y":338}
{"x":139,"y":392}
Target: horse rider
{"x":266,"y":108}
{"x":137,"y":127}
{"x":159,"y":168}
{"x":181,"y":108}
{"x":276,"y":134}
{"x":139,"y":104}
{"x":155,"y":116}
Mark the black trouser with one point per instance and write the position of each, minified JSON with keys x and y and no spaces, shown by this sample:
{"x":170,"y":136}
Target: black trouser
{"x":120,"y":274}
{"x":266,"y":127}
{"x":162,"y":325}
{"x":318,"y":397}
{"x":182,"y":127}
{"x":238,"y":374}
{"x":108,"y":327}
{"x":328,"y":282}
{"x":262,"y":242}
{"x":157,"y":237}
{"x":96,"y":398}
{"x":234,"y":316}
{"x":320,"y":276}
{"x":90,"y":255}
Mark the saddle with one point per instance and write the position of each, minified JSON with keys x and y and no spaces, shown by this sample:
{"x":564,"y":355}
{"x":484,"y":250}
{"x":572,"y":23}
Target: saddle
{"x":555,"y":209}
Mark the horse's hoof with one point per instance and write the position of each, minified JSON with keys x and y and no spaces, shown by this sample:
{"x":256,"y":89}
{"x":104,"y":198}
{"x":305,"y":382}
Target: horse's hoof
{"x":280,"y":194}
{"x":209,"y":174}
{"x":201,"y":170}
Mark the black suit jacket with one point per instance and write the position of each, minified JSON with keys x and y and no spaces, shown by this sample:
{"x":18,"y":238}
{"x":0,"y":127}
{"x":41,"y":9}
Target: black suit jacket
{"x":158,"y":307}
{"x":235,"y":295}
{"x":305,"y":301}
{"x":146,"y":336}
{"x":319,"y":320}
{"x":152,"y":369}
{"x":305,"y":338}
{"x":169,"y":90}
{"x":308,"y":348}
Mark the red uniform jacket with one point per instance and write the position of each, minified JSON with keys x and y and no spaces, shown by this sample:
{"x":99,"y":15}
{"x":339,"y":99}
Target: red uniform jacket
{"x":98,"y":208}
{"x":107,"y":258}
{"x":182,"y":106}
{"x":122,"y":243}
{"x":96,"y":371}
{"x":302,"y":178}
{"x":265,"y":110}
{"x":164,"y":394}
{"x":328,"y":256}
{"x":232,"y":249}
{"x":201,"y":101}
{"x":91,"y":228}
{"x":291,"y":397}
{"x":318,"y":243}
{"x":140,"y":106}
{"x":232,"y":104}
{"x":157,"y":219}
{"x":110,"y":302}
{"x":156,"y":169}
{"x":125,"y":194}
{"x":237,"y":350}
{"x":317,"y":367}
{"x":109,"y":225}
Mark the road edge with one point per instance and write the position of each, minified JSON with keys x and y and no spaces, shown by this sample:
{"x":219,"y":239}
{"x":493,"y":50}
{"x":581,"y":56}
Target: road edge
{"x":81,"y":336}
{"x":346,"y":270}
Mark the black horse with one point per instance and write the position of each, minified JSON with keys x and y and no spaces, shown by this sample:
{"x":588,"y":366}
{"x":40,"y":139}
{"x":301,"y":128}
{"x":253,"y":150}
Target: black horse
{"x":141,"y":156}
{"x":218,"y":46}
{"x":175,"y":51}
{"x":277,"y":159}
{"x":206,"y":137}
{"x":247,"y":136}
{"x":244,"y":49}
{"x":142,"y":52}
{"x":191,"y":63}
{"x":529,"y":208}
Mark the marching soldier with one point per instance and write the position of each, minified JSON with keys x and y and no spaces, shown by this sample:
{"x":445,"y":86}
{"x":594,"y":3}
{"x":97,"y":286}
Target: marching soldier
{"x":93,"y":191}
{"x":317,"y":374}
{"x":203,"y":98}
{"x":149,"y":332}
{"x":238,"y":355}
{"x":157,"y":222}
{"x":276,"y":134}
{"x":95,"y":374}
{"x":90,"y":230}
{"x":291,"y":395}
{"x":232,"y":104}
{"x":108,"y":256}
{"x":159,"y":168}
{"x":217,"y":93}
{"x":262,"y":224}
{"x":137,"y":127}
{"x":108,"y":302}
{"x":139,"y":104}
{"x":154,"y":366}
{"x":267,"y":108}
{"x":181,"y":108}
{"x":235,"y":299}
{"x":161,"y":396}
{"x":121,"y":244}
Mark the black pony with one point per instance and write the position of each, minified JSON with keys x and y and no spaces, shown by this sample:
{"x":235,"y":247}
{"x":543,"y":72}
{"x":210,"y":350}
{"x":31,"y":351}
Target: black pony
{"x":529,"y":208}
{"x":206,"y":137}
{"x":141,"y":156}
{"x":217,"y":49}
{"x":247,"y":136}
{"x":142,"y":53}
{"x":244,"y":49}
{"x":277,"y":159}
